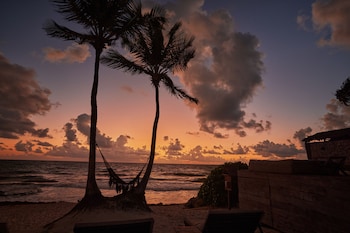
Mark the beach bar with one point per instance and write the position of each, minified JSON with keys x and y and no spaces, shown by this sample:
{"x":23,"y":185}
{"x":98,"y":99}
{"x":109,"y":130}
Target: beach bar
{"x":302,"y":196}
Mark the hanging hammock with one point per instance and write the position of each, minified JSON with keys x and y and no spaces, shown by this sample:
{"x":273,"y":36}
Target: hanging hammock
{"x":120,"y":185}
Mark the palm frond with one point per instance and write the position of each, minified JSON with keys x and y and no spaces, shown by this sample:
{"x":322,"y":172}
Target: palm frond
{"x":55,"y":30}
{"x":178,"y":92}
{"x":115,"y":60}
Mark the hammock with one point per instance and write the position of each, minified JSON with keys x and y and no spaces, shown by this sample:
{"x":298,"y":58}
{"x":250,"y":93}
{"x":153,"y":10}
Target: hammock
{"x":114,"y":179}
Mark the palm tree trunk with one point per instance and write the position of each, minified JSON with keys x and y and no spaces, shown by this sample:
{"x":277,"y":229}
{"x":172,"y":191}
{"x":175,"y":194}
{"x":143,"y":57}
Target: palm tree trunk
{"x":143,"y":184}
{"x":92,"y":190}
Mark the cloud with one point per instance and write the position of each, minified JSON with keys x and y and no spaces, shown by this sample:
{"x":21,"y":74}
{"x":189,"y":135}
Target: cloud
{"x":276,"y":150}
{"x":174,"y":148}
{"x":24,"y":146}
{"x":301,"y":134}
{"x":175,"y":152}
{"x":226,"y":71}
{"x":20,"y":98}
{"x":337,"y":117}
{"x":83,"y":125}
{"x":240,"y":150}
{"x":74,"y":53}
{"x":70,"y":133}
{"x":113,"y":150}
{"x":331,"y":18}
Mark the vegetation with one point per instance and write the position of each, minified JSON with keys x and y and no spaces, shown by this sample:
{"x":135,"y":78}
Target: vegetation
{"x":343,"y":94}
{"x":156,"y":55}
{"x":105,"y":22}
{"x":213,"y":192}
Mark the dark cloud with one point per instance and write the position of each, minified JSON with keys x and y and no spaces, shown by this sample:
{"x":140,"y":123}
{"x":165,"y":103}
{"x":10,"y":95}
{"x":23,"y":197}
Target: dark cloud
{"x":70,"y":133}
{"x":20,"y":98}
{"x":240,"y":150}
{"x":24,"y":146}
{"x":337,"y":117}
{"x":83,"y":126}
{"x":174,"y":148}
{"x":301,"y":134}
{"x":74,"y":53}
{"x":113,"y":150}
{"x":224,"y":75}
{"x":276,"y":150}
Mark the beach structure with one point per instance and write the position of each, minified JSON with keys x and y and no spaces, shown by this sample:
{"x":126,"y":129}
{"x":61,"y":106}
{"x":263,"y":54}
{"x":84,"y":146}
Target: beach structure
{"x":299,"y":196}
{"x":329,"y":144}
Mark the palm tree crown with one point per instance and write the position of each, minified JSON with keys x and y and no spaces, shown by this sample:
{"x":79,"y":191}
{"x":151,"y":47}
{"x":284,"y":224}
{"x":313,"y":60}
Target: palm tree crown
{"x":104,"y":21}
{"x":155,"y":54}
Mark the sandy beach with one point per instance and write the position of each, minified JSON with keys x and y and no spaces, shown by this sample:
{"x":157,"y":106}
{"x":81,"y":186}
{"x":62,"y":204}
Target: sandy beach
{"x":32,"y":217}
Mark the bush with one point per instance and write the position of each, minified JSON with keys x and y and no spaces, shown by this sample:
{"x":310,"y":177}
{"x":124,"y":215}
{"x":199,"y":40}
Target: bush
{"x":212,"y":192}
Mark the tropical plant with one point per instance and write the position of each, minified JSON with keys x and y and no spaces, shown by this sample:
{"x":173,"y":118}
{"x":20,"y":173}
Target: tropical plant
{"x":104,"y":22}
{"x":155,"y":54}
{"x":213,"y":192}
{"x":343,"y":94}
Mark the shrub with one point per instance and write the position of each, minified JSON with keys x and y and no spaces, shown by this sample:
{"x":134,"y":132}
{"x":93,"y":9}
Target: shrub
{"x":212,"y":192}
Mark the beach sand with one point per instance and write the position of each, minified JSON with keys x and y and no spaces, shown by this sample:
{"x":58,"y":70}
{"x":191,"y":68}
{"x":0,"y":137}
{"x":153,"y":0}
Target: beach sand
{"x":32,"y":217}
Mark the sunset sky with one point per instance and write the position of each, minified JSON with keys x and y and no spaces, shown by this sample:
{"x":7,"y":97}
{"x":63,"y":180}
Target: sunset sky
{"x":265,"y":74}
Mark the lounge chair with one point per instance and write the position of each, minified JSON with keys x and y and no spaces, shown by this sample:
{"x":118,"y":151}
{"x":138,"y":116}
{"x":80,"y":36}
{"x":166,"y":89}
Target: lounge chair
{"x":3,"y":227}
{"x":229,"y":221}
{"x":129,"y":226}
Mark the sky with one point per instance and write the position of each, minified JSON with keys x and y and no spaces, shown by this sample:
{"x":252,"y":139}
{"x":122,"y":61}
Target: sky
{"x":265,"y":74}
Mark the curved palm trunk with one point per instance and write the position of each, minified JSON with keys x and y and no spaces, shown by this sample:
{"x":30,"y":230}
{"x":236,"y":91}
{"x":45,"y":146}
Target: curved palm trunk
{"x":143,"y":184}
{"x":92,"y":190}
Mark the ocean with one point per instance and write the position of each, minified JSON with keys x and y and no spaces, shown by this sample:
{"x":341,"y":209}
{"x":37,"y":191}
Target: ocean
{"x":51,"y":181}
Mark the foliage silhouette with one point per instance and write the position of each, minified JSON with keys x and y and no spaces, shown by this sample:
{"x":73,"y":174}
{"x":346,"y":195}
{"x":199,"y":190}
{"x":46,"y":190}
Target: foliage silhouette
{"x":212,"y":191}
{"x":155,"y":54}
{"x":343,"y":94}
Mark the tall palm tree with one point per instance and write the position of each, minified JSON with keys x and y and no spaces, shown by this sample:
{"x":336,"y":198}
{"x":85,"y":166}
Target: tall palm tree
{"x":104,"y":22}
{"x":155,"y":55}
{"x":343,"y":94}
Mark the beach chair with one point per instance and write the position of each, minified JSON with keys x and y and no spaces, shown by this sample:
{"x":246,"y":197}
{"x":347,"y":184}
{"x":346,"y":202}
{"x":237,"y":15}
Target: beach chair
{"x":227,"y":221}
{"x":3,"y":227}
{"x":128,"y":226}
{"x":235,"y":220}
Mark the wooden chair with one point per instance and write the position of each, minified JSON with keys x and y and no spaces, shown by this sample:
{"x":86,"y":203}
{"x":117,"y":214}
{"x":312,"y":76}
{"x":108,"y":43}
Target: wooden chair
{"x":129,"y":226}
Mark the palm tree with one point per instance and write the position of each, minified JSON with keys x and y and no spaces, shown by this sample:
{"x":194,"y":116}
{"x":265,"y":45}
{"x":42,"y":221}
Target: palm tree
{"x":343,"y":94}
{"x":155,"y":55}
{"x":104,"y":22}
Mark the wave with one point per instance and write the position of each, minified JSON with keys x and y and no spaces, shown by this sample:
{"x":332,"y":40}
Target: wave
{"x":37,"y":179}
{"x":19,"y":190}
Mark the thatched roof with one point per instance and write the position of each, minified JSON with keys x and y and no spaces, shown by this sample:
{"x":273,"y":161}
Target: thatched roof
{"x":332,"y":135}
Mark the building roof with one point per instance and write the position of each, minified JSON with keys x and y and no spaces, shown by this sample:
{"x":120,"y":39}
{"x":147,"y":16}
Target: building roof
{"x":331,"y":135}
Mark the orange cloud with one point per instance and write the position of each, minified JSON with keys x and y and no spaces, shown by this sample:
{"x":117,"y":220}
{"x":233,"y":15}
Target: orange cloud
{"x":74,"y":53}
{"x":333,"y":18}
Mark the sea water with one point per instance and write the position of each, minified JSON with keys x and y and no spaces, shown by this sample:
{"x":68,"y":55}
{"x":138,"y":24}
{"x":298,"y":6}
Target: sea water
{"x":51,"y":181}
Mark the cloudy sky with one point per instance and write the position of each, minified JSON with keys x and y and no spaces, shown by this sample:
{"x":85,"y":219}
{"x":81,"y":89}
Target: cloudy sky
{"x":265,"y":74}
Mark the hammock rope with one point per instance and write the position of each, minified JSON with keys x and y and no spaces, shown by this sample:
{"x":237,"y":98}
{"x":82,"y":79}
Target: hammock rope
{"x":121,"y":186}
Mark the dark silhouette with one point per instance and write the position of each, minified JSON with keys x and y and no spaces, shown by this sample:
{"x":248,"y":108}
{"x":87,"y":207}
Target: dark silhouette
{"x":105,"y":22}
{"x":343,"y":94}
{"x":155,"y":55}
